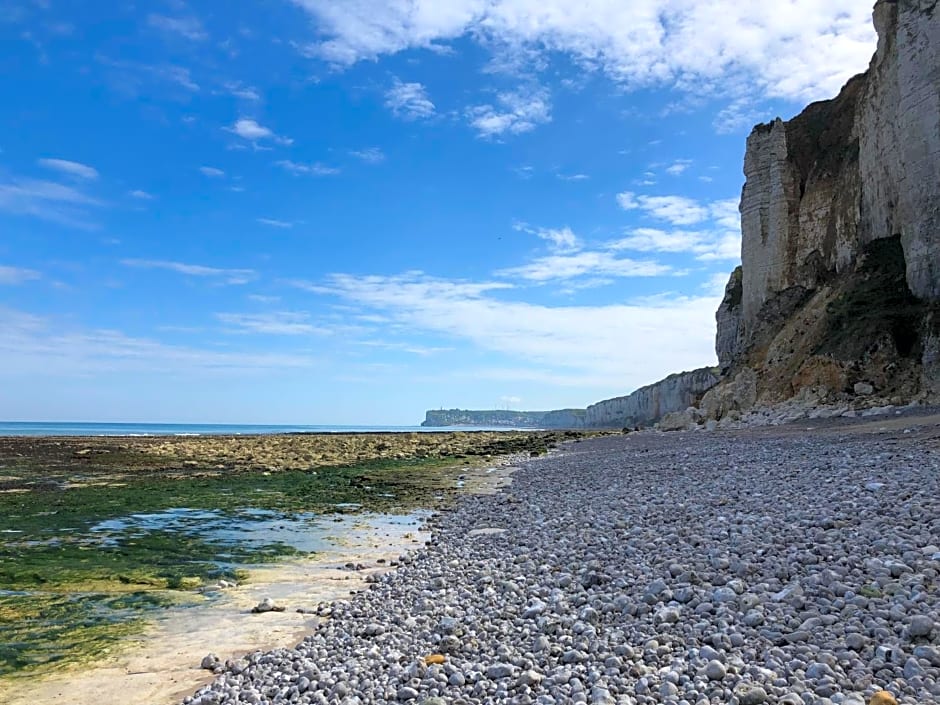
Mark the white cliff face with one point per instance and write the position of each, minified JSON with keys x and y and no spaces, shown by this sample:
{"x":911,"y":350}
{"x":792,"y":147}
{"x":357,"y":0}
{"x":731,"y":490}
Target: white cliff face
{"x":863,"y":166}
{"x":918,"y":130}
{"x":649,"y":404}
{"x":823,"y":192}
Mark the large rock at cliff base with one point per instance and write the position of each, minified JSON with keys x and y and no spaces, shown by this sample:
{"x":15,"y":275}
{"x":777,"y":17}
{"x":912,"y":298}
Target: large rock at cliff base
{"x":840,"y":212}
{"x":737,"y":394}
{"x":729,"y":339}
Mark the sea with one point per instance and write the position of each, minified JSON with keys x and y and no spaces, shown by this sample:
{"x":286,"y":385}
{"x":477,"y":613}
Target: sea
{"x":42,"y":428}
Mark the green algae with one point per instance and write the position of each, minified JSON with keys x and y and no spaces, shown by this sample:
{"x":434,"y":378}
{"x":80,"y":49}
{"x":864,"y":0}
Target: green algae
{"x":72,"y":590}
{"x":96,"y":539}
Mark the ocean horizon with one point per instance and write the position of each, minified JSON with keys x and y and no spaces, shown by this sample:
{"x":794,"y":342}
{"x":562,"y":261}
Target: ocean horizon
{"x":83,"y":428}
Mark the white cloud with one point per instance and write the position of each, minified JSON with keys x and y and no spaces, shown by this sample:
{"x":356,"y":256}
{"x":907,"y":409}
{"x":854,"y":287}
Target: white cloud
{"x":276,"y":323}
{"x":573,"y":177}
{"x":719,"y":238}
{"x":11,"y":276}
{"x":409,"y":101}
{"x":47,"y":200}
{"x":515,"y":112}
{"x":678,"y":210}
{"x":186,"y":27}
{"x":239,"y":90}
{"x":315,"y":169}
{"x":800,"y":50}
{"x":32,"y":344}
{"x":126,"y":77}
{"x":211,"y":172}
{"x":228,"y":276}
{"x":284,"y":224}
{"x":679,"y":167}
{"x":73,"y":169}
{"x":562,"y":239}
{"x":370,"y":155}
{"x":618,"y":346}
{"x":250,"y":130}
{"x":561,"y":267}
{"x":142,"y":195}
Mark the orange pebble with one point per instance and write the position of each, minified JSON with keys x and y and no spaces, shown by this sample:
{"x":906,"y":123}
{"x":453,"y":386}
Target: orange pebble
{"x":882,"y":697}
{"x":439,"y":658}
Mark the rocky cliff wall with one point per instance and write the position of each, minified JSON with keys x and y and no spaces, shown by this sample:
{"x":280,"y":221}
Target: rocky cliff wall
{"x":840,"y":276}
{"x":560,"y":418}
{"x":649,"y":404}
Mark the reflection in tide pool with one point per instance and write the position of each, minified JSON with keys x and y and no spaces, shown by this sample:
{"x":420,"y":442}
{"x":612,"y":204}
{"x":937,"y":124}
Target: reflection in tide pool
{"x":306,"y":532}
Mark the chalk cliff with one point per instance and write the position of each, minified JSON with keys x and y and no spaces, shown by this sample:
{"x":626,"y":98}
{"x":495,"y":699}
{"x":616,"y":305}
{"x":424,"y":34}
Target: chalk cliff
{"x":840,"y":275}
{"x":644,"y":407}
{"x":649,"y":404}
{"x":560,"y":418}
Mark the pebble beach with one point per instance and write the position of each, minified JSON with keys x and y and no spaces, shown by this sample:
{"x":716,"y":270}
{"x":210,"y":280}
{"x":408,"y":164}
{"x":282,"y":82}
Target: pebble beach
{"x":788,"y":566}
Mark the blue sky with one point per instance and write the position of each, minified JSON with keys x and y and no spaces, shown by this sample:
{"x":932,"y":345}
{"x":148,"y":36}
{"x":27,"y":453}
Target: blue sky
{"x":309,"y":211}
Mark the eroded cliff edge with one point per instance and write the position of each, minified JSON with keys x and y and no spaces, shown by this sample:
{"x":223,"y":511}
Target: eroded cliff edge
{"x":840,"y":276}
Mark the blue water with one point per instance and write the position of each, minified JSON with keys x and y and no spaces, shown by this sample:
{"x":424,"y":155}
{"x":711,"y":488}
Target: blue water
{"x":33,"y":428}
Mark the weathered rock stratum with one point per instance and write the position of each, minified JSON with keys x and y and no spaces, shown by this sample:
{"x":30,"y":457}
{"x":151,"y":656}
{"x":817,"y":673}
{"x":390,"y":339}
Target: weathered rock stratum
{"x":840,"y":276}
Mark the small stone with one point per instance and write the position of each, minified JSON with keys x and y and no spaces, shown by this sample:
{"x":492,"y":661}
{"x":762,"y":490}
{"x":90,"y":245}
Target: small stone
{"x":882,"y":697}
{"x":750,"y":695}
{"x":856,"y":642}
{"x":921,"y":625}
{"x":209,"y":662}
{"x":863,"y":389}
{"x":530,"y":678}
{"x":406,"y":693}
{"x":498,"y":670}
{"x":456,"y":679}
{"x":874,"y":486}
{"x":715,"y":670}
{"x":267,"y":605}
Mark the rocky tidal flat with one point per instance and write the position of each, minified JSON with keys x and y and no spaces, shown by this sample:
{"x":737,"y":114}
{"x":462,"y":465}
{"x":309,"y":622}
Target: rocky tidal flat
{"x":735,"y":568}
{"x":98,"y":533}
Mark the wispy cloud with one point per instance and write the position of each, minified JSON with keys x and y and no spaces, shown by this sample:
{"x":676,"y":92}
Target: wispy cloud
{"x":409,"y":101}
{"x":718,"y":236}
{"x":48,"y":200}
{"x":252,"y":131}
{"x":584,"y":343}
{"x":515,"y":112}
{"x":274,"y":223}
{"x":142,"y":195}
{"x":678,"y":210}
{"x":128,"y":77}
{"x":11,"y":276}
{"x":212,"y":172}
{"x":588,"y":263}
{"x":314,"y":169}
{"x":678,"y":167}
{"x":572,"y":177}
{"x":186,"y":27}
{"x":560,"y":238}
{"x":68,"y":168}
{"x":32,"y":344}
{"x":240,"y":90}
{"x":371,"y":155}
{"x":276,"y":323}
{"x":227,"y":276}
